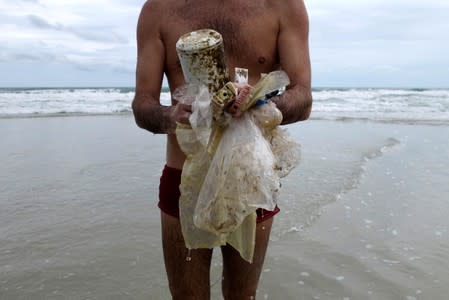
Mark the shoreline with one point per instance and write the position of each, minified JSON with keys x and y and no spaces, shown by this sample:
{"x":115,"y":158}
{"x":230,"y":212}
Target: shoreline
{"x":404,"y":121}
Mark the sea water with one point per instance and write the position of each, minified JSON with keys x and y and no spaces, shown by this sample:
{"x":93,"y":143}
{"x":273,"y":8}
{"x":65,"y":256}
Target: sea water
{"x":362,"y":217}
{"x":409,"y":105}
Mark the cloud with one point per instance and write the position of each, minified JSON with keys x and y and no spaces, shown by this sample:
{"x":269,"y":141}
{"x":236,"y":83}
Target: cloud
{"x":378,"y":20}
{"x":42,"y":23}
{"x":111,"y":37}
{"x":91,"y":34}
{"x":379,"y":42}
{"x":31,"y":57}
{"x":378,"y":39}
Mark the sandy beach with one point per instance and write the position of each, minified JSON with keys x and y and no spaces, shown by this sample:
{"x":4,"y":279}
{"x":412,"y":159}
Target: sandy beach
{"x":363,"y":217}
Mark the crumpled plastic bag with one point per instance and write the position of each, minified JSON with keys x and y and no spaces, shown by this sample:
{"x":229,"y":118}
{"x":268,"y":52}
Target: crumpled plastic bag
{"x":286,"y":151}
{"x":240,"y":179}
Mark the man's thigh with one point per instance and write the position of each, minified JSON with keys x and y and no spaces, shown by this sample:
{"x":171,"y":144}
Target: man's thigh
{"x":188,"y":272}
{"x":240,"y":278}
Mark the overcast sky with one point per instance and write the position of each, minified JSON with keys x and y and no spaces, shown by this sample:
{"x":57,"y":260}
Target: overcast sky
{"x":353,"y":43}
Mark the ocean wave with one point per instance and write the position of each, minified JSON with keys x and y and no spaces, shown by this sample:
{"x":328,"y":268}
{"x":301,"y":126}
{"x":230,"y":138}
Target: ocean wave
{"x":384,"y":105}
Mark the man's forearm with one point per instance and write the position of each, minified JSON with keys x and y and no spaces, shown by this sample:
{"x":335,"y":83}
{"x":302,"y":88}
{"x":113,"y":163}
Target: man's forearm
{"x":152,"y":116}
{"x":295,"y":104}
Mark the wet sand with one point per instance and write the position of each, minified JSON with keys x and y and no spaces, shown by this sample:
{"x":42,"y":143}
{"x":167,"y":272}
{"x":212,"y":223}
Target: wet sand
{"x":363,"y":217}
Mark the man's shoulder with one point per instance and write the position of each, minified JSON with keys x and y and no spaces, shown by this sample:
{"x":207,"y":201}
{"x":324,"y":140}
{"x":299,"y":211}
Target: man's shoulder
{"x":290,"y":11}
{"x":286,"y":6}
{"x":157,"y":7}
{"x":153,"y":13}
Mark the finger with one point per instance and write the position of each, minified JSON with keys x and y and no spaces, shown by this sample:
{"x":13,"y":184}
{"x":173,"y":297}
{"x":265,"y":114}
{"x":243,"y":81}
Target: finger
{"x":185,"y":107}
{"x":244,"y":92}
{"x":239,"y":85}
{"x":233,"y":109}
{"x":237,"y":114}
{"x":242,"y":96}
{"x":184,"y":117}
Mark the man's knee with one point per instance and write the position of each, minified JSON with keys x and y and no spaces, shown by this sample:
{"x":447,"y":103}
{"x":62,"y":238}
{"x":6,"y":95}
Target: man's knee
{"x":180,"y":292}
{"x":235,"y":295}
{"x":236,"y":291}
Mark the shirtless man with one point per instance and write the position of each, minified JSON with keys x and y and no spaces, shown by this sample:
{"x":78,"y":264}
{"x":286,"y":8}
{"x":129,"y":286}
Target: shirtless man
{"x":260,"y":35}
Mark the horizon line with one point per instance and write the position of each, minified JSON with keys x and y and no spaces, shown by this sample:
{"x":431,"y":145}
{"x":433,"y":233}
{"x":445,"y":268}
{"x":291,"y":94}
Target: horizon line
{"x":166,"y":87}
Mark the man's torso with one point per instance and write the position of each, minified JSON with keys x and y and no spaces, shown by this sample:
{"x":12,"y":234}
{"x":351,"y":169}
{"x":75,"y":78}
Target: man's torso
{"x":249,"y":30}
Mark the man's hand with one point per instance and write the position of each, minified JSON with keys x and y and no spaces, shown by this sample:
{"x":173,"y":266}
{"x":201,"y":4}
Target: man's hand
{"x":181,"y":113}
{"x":243,"y":93}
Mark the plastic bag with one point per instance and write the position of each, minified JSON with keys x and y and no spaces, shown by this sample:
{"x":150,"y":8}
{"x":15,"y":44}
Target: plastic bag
{"x":240,"y":179}
{"x":285,"y":150}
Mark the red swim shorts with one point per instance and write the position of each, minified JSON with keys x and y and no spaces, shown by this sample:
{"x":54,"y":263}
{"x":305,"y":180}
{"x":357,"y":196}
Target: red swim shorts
{"x":169,"y":195}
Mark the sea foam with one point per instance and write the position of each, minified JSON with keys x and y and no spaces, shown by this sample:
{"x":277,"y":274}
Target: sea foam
{"x":409,"y":105}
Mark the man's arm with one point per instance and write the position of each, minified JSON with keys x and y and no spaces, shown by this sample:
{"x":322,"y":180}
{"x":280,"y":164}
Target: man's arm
{"x":293,"y":47}
{"x":148,"y":112}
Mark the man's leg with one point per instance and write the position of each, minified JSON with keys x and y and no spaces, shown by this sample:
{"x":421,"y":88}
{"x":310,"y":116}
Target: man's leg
{"x":187,"y":278}
{"x":240,"y":278}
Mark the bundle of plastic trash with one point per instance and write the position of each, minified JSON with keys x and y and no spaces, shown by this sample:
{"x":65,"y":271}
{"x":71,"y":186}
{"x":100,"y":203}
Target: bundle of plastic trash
{"x":233,"y":165}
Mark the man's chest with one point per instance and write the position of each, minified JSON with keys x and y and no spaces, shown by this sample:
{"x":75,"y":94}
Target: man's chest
{"x":249,"y":34}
